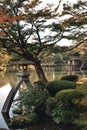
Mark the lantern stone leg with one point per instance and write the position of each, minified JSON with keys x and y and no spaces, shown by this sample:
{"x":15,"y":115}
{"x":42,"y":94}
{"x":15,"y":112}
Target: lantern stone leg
{"x":22,"y":76}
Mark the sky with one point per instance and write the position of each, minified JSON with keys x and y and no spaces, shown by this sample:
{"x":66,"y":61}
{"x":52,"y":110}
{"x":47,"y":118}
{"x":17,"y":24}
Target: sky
{"x":63,"y":42}
{"x":57,"y":1}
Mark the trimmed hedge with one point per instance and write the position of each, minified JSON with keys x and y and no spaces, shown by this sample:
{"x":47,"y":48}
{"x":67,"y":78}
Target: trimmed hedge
{"x":72,"y":78}
{"x":66,"y":110}
{"x":55,"y":86}
{"x":70,"y":96}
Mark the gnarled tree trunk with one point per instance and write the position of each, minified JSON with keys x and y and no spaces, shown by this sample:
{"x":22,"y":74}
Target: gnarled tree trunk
{"x":40,"y":71}
{"x":38,"y":67}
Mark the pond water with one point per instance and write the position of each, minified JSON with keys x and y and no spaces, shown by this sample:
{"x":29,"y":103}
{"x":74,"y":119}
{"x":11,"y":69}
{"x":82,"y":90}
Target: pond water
{"x":51,"y":73}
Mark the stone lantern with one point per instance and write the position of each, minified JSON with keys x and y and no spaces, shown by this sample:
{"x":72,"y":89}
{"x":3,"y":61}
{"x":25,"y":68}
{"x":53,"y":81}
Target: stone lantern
{"x":22,"y":76}
{"x":23,"y":70}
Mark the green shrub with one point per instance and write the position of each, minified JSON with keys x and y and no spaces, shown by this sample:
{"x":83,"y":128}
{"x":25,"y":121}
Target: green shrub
{"x":32,"y":117}
{"x":66,"y":110}
{"x":70,"y":96}
{"x":83,"y":86}
{"x":23,"y":120}
{"x":33,"y":100}
{"x":17,"y":111}
{"x":81,"y":124}
{"x":50,"y":104}
{"x":64,"y":114}
{"x":72,"y":78}
{"x":55,"y":86}
{"x":39,"y":84}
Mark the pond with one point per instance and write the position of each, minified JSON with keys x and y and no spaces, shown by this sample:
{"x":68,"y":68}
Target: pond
{"x":51,"y":73}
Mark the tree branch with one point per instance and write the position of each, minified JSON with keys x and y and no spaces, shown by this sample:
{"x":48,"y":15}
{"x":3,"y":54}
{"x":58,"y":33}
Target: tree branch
{"x":70,"y":49}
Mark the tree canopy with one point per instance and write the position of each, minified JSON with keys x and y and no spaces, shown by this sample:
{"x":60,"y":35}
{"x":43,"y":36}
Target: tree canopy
{"x":75,"y":26}
{"x":24,"y":29}
{"x":30,"y":30}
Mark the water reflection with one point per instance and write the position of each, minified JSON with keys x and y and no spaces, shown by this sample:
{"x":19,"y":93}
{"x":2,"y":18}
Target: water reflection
{"x":44,"y":125}
{"x":7,"y":78}
{"x":51,"y":73}
{"x":3,"y":94}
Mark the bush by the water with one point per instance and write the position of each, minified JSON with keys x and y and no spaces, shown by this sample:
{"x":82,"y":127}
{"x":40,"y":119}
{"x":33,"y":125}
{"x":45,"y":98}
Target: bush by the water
{"x":66,"y":110}
{"x":33,"y":100}
{"x":83,"y":87}
{"x":50,"y":104}
{"x":72,"y":78}
{"x":70,"y":96}
{"x":64,"y":114}
{"x":23,"y":120}
{"x":58,"y":100}
{"x":39,"y":84}
{"x":55,"y":86}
